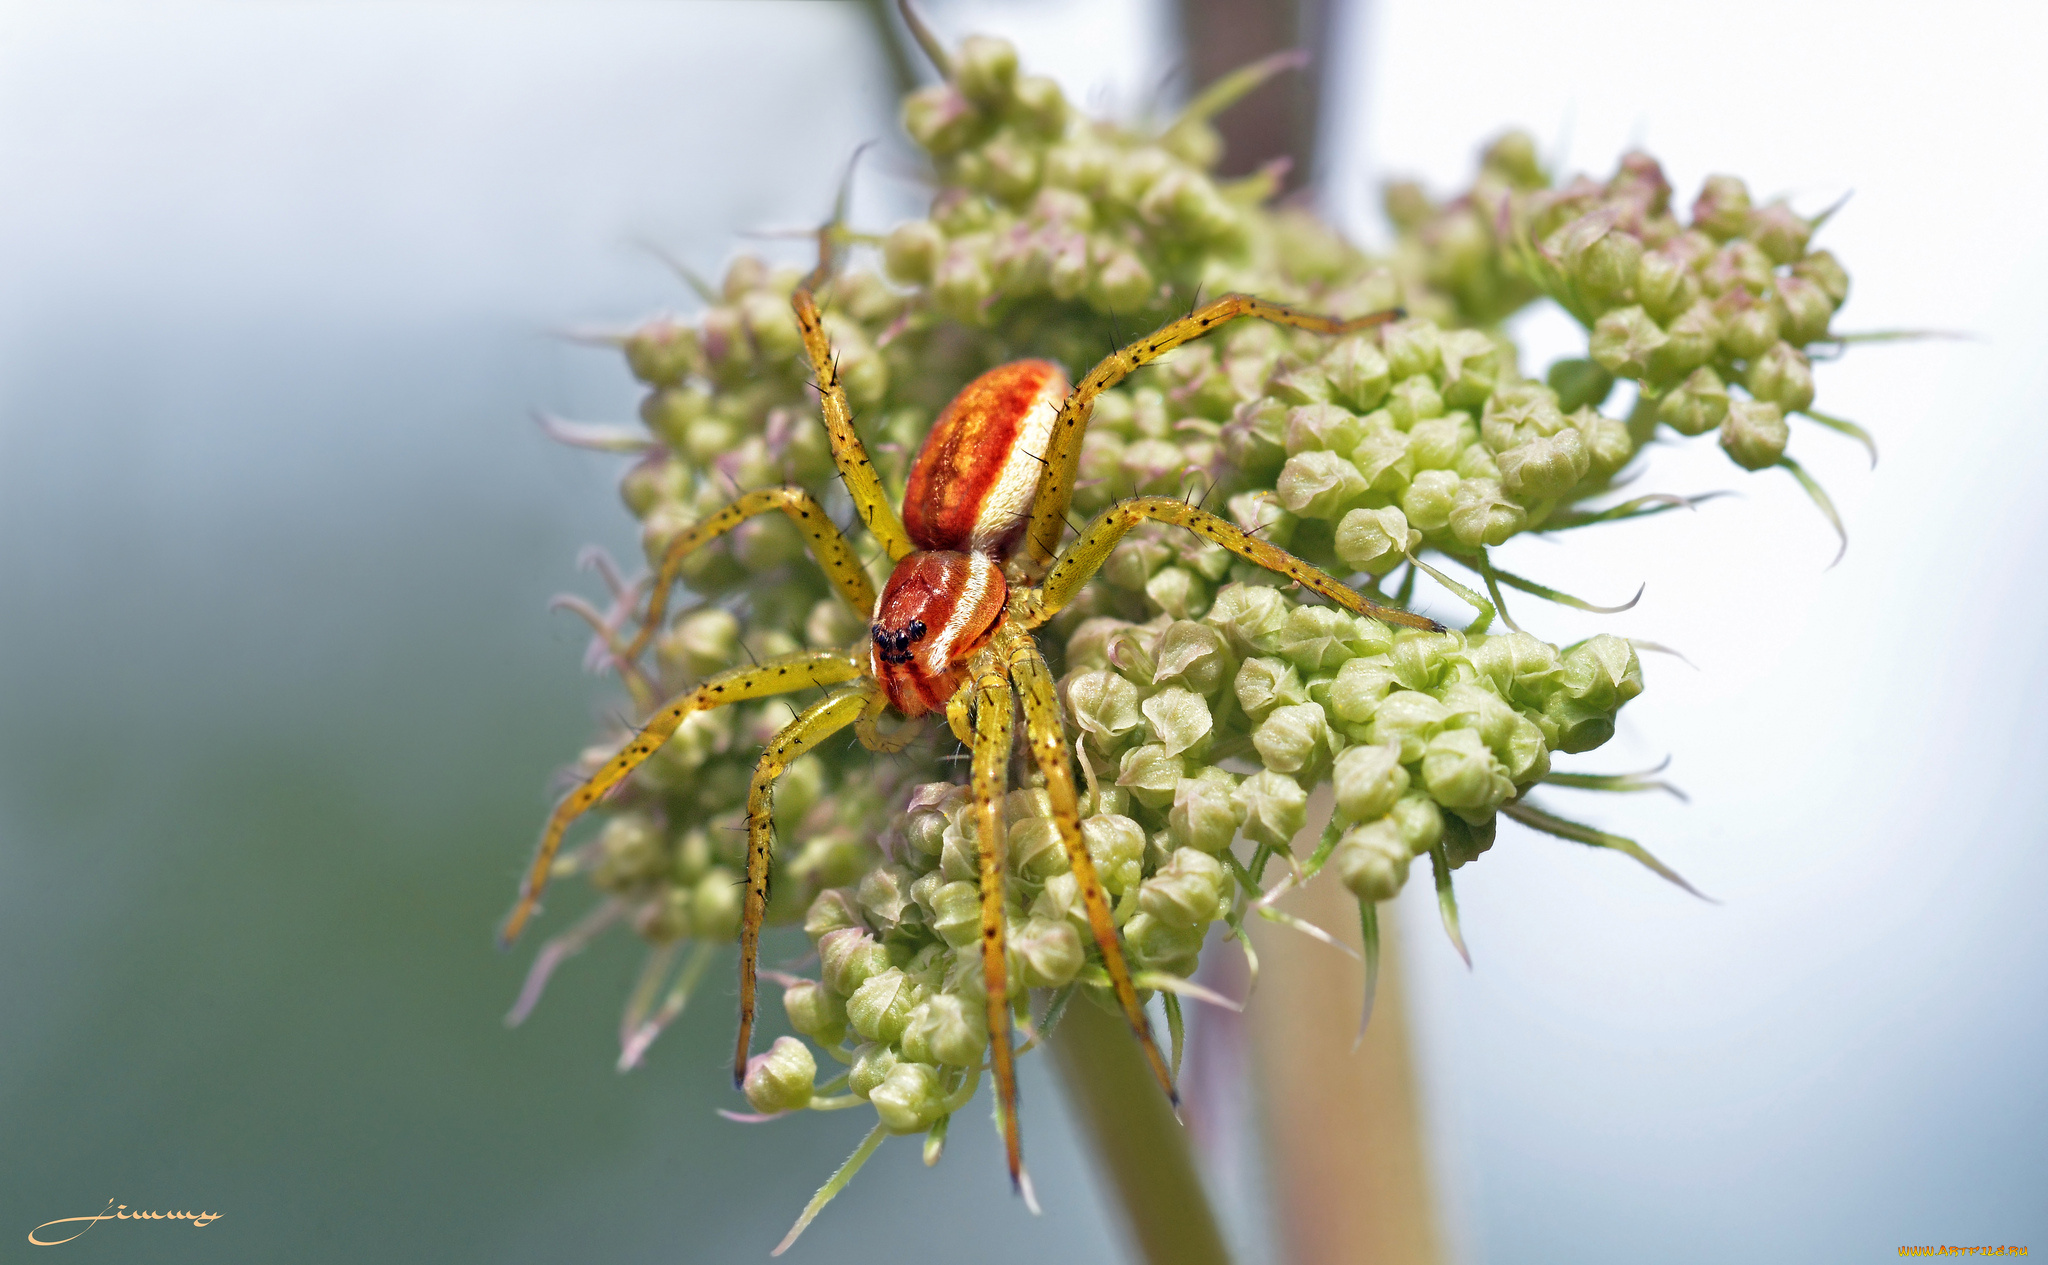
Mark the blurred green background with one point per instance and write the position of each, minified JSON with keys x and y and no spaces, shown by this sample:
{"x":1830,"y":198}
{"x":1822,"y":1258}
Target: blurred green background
{"x":280,"y":699}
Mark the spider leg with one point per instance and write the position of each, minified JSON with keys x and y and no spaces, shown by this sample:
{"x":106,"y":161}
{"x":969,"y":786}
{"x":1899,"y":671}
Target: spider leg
{"x":869,"y":499}
{"x":1086,"y":555}
{"x":781,"y":675}
{"x":869,"y":730}
{"x":993,"y":707}
{"x":827,"y":546}
{"x":1049,"y":748}
{"x":1048,"y":511}
{"x":816,"y":723}
{"x":957,"y":718}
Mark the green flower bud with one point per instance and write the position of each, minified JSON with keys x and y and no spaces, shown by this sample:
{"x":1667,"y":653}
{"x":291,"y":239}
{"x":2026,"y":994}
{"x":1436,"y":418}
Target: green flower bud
{"x":1383,"y":458}
{"x":1544,"y":467}
{"x":939,"y":119}
{"x":1162,"y":946}
{"x":1748,"y":325}
{"x":1578,"y":727}
{"x":1195,"y":656}
{"x":1464,"y":841}
{"x":1782,"y":376}
{"x":1603,"y":672}
{"x":833,"y":909}
{"x":1179,"y":718}
{"x":1318,"y":638}
{"x":1605,"y":265}
{"x":1413,"y":399}
{"x":1481,"y":514}
{"x":1697,"y":406}
{"x":1293,"y":739}
{"x":1177,"y":591}
{"x":1357,"y":373}
{"x":1472,"y":365}
{"x":1105,"y":709}
{"x":1579,"y":384}
{"x":1190,"y":890}
{"x":912,"y":251}
{"x":1320,"y":485}
{"x":985,"y":69}
{"x":715,"y":905}
{"x":1520,"y":667}
{"x":1825,"y":271}
{"x":1607,"y":442}
{"x":961,"y":283}
{"x":1372,"y":860}
{"x":666,"y":919}
{"x":1411,"y":348}
{"x":816,"y":1012}
{"x":1079,"y":163}
{"x":1250,"y":616}
{"x":1259,"y":512}
{"x":1435,"y":442}
{"x":1418,"y":821}
{"x":956,"y":913}
{"x":1117,"y":844}
{"x":948,"y":1030}
{"x":1429,"y":500}
{"x":1273,"y":806}
{"x":872,"y":1064}
{"x":1186,"y":203}
{"x":1374,"y":541}
{"x":631,"y":850}
{"x":1035,"y":852}
{"x":1263,"y":684}
{"x":1722,"y":208}
{"x":1121,"y":282}
{"x":700,"y":643}
{"x":1754,"y":433}
{"x":910,"y":1099}
{"x":1369,"y":779}
{"x":884,"y":895}
{"x":780,"y":1078}
{"x":1514,"y":740}
{"x":1046,"y":953}
{"x":1690,"y":342}
{"x":1779,"y":232}
{"x":880,"y":1007}
{"x":1205,"y":812}
{"x":1040,"y":105}
{"x":1409,"y":718}
{"x":1322,"y":426}
{"x":1665,"y":284}
{"x":1625,"y":340}
{"x":1356,"y":692}
{"x":1808,"y":309}
{"x":848,"y":958}
{"x":1463,"y":776}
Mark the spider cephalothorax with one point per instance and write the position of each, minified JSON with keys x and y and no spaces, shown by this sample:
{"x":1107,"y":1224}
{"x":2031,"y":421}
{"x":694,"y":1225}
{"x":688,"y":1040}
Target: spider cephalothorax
{"x":983,"y":517}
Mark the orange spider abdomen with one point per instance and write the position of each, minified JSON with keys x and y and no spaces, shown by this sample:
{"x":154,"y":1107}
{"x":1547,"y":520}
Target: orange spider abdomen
{"x":974,"y":480}
{"x":938,"y":608}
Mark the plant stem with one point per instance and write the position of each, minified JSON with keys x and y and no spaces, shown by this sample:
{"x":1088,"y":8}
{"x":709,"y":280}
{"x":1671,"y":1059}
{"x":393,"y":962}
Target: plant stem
{"x":1343,"y":1131}
{"x":1136,"y":1139}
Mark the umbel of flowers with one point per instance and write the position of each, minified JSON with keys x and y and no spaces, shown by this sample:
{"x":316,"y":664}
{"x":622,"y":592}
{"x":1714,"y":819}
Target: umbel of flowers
{"x":1205,"y":702}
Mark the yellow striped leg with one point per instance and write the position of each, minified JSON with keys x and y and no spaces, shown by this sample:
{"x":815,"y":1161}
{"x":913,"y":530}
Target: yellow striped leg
{"x":1049,"y":747}
{"x":1086,"y":555}
{"x":993,"y":705}
{"x":1049,"y":511}
{"x":827,"y":546}
{"x":818,"y":722}
{"x":777,"y":676}
{"x":869,"y":500}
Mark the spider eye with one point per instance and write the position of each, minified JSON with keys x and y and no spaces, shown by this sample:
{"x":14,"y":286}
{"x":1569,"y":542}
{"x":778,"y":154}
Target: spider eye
{"x":917,"y":630}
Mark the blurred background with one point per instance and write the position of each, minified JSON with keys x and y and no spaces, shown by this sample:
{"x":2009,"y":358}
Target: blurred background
{"x":280,"y":698}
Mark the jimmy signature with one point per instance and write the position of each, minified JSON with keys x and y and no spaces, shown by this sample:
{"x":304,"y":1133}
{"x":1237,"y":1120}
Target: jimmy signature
{"x":198,"y":1219}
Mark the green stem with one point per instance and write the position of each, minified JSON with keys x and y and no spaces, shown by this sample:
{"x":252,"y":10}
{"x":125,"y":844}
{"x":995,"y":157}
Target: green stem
{"x":1136,"y":1139}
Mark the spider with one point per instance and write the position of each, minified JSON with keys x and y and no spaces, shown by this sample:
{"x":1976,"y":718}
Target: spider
{"x":977,"y":565}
